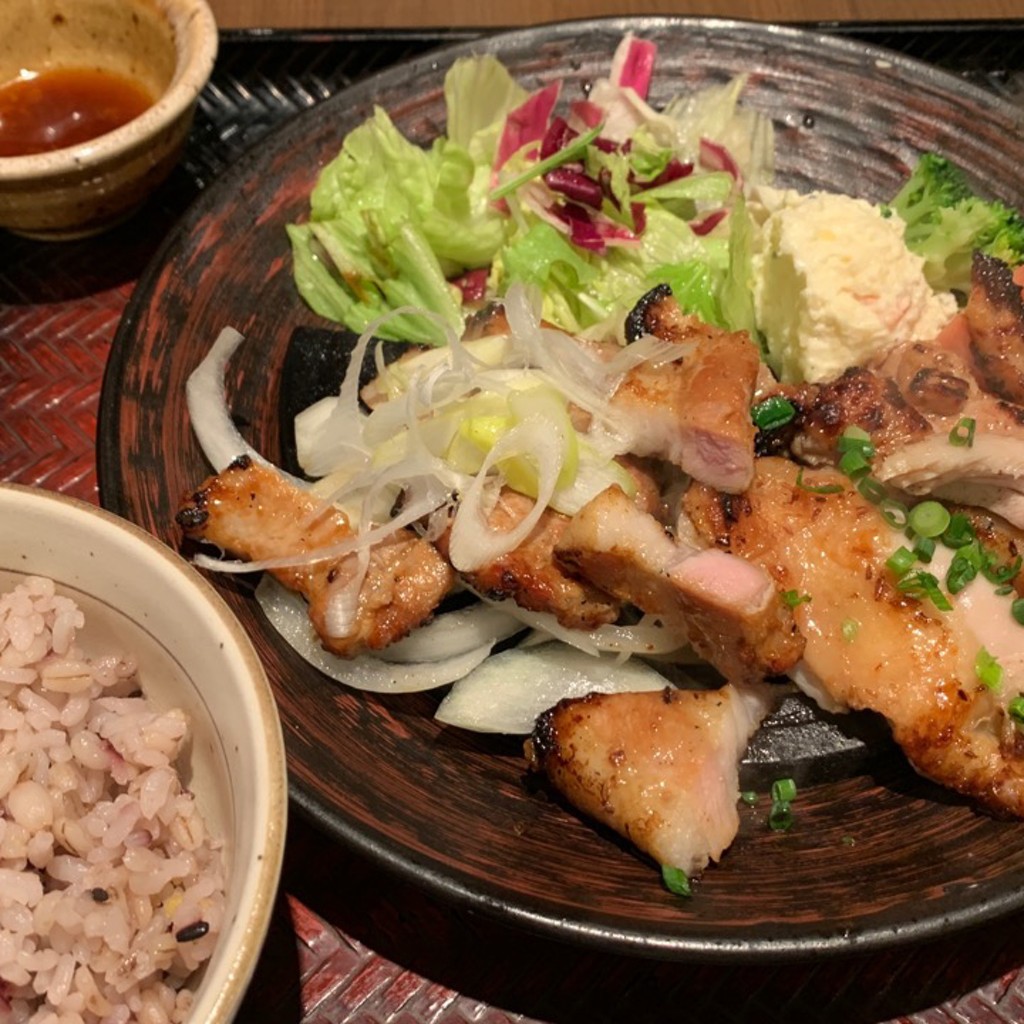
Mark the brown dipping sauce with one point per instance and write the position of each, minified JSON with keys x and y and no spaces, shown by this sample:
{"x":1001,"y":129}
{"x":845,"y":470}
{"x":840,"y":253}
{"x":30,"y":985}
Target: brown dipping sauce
{"x":66,"y":106}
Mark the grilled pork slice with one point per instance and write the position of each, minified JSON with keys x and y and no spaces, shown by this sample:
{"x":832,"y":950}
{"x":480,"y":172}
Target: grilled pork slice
{"x":661,"y":768}
{"x":529,"y":576}
{"x":695,"y":412}
{"x":728,"y":609}
{"x":995,"y":320}
{"x":870,"y":645}
{"x":255,"y":513}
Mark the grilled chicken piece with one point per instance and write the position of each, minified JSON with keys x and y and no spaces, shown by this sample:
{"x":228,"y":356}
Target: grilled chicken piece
{"x":909,"y":402}
{"x":871,"y":646}
{"x":695,"y":412}
{"x":995,"y":320}
{"x":529,"y":576}
{"x":728,"y":609}
{"x":255,"y":513}
{"x":661,"y":768}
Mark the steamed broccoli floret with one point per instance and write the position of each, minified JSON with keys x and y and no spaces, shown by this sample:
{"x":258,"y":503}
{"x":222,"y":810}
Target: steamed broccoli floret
{"x":946,"y":221}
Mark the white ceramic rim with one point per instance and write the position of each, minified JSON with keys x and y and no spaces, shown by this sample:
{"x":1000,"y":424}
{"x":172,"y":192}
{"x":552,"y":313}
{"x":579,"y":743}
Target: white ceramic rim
{"x":195,"y":35}
{"x":224,"y":990}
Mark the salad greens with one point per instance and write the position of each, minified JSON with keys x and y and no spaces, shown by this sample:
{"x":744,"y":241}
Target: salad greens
{"x":593,"y":207}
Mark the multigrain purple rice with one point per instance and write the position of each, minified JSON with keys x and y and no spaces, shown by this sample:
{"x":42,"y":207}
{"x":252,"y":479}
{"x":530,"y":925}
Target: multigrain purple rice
{"x":111,"y":890}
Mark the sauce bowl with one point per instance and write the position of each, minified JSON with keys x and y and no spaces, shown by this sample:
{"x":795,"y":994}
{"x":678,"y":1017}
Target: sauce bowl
{"x":167,"y":47}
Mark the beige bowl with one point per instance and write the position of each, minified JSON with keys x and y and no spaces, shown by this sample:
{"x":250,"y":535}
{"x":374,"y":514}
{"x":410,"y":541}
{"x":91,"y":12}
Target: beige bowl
{"x":138,"y":594}
{"x":168,"y":46}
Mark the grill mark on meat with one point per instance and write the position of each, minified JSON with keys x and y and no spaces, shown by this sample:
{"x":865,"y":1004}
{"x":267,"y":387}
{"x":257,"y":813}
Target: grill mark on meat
{"x":995,"y":320}
{"x":254,"y":512}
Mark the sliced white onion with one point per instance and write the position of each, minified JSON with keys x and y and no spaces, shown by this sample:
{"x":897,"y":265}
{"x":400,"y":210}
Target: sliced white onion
{"x":473,"y":541}
{"x":454,"y":633}
{"x":287,"y":613}
{"x":809,"y":683}
{"x":508,"y":691}
{"x":215,"y":431}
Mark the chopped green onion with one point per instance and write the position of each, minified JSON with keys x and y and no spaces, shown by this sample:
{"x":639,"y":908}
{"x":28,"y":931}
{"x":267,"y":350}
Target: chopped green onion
{"x":850,"y":629}
{"x":854,"y":464}
{"x":962,"y":569}
{"x":900,"y":561}
{"x":780,"y":817}
{"x":962,"y":435}
{"x":959,"y":533}
{"x":1017,"y":610}
{"x":676,"y":881}
{"x":922,"y":585}
{"x":794,"y":597}
{"x":821,"y":489}
{"x":1016,"y":709}
{"x":749,"y":797}
{"x":1000,"y":574}
{"x":988,"y":670}
{"x":871,"y":489}
{"x":854,"y":439}
{"x":784,"y":790}
{"x":924,"y":548}
{"x":929,"y":519}
{"x":893,"y":512}
{"x":1003,"y":590}
{"x":773,"y":413}
{"x":570,"y":152}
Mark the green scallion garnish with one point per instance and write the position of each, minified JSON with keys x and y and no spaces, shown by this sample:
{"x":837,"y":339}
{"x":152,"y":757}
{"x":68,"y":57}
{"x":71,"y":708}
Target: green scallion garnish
{"x":924,"y":548}
{"x":784,"y":789}
{"x":853,"y":464}
{"x":988,"y":670}
{"x":850,"y":628}
{"x":900,"y":561}
{"x":1017,"y":610}
{"x":893,"y":512}
{"x":923,"y":585}
{"x":1000,"y":574}
{"x":749,"y":797}
{"x":676,"y":881}
{"x":959,"y":533}
{"x":870,"y":489}
{"x":962,"y":569}
{"x":780,"y":817}
{"x":773,"y":413}
{"x":855,"y":439}
{"x":929,"y":519}
{"x":819,"y":489}
{"x":962,"y":435}
{"x":1015,"y":709}
{"x":794,"y":598}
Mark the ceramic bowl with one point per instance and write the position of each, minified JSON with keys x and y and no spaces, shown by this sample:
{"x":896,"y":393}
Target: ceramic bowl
{"x":167,"y":47}
{"x":139,"y":595}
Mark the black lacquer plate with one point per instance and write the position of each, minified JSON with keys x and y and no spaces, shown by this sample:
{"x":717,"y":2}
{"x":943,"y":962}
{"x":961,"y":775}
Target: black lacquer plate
{"x":877,"y":856}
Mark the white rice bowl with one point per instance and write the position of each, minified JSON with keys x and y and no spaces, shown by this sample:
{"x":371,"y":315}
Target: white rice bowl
{"x":143,"y":793}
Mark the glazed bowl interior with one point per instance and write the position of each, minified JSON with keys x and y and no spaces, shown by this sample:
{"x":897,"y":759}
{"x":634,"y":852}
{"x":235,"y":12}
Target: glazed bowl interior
{"x":135,"y":40}
{"x":140,"y":596}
